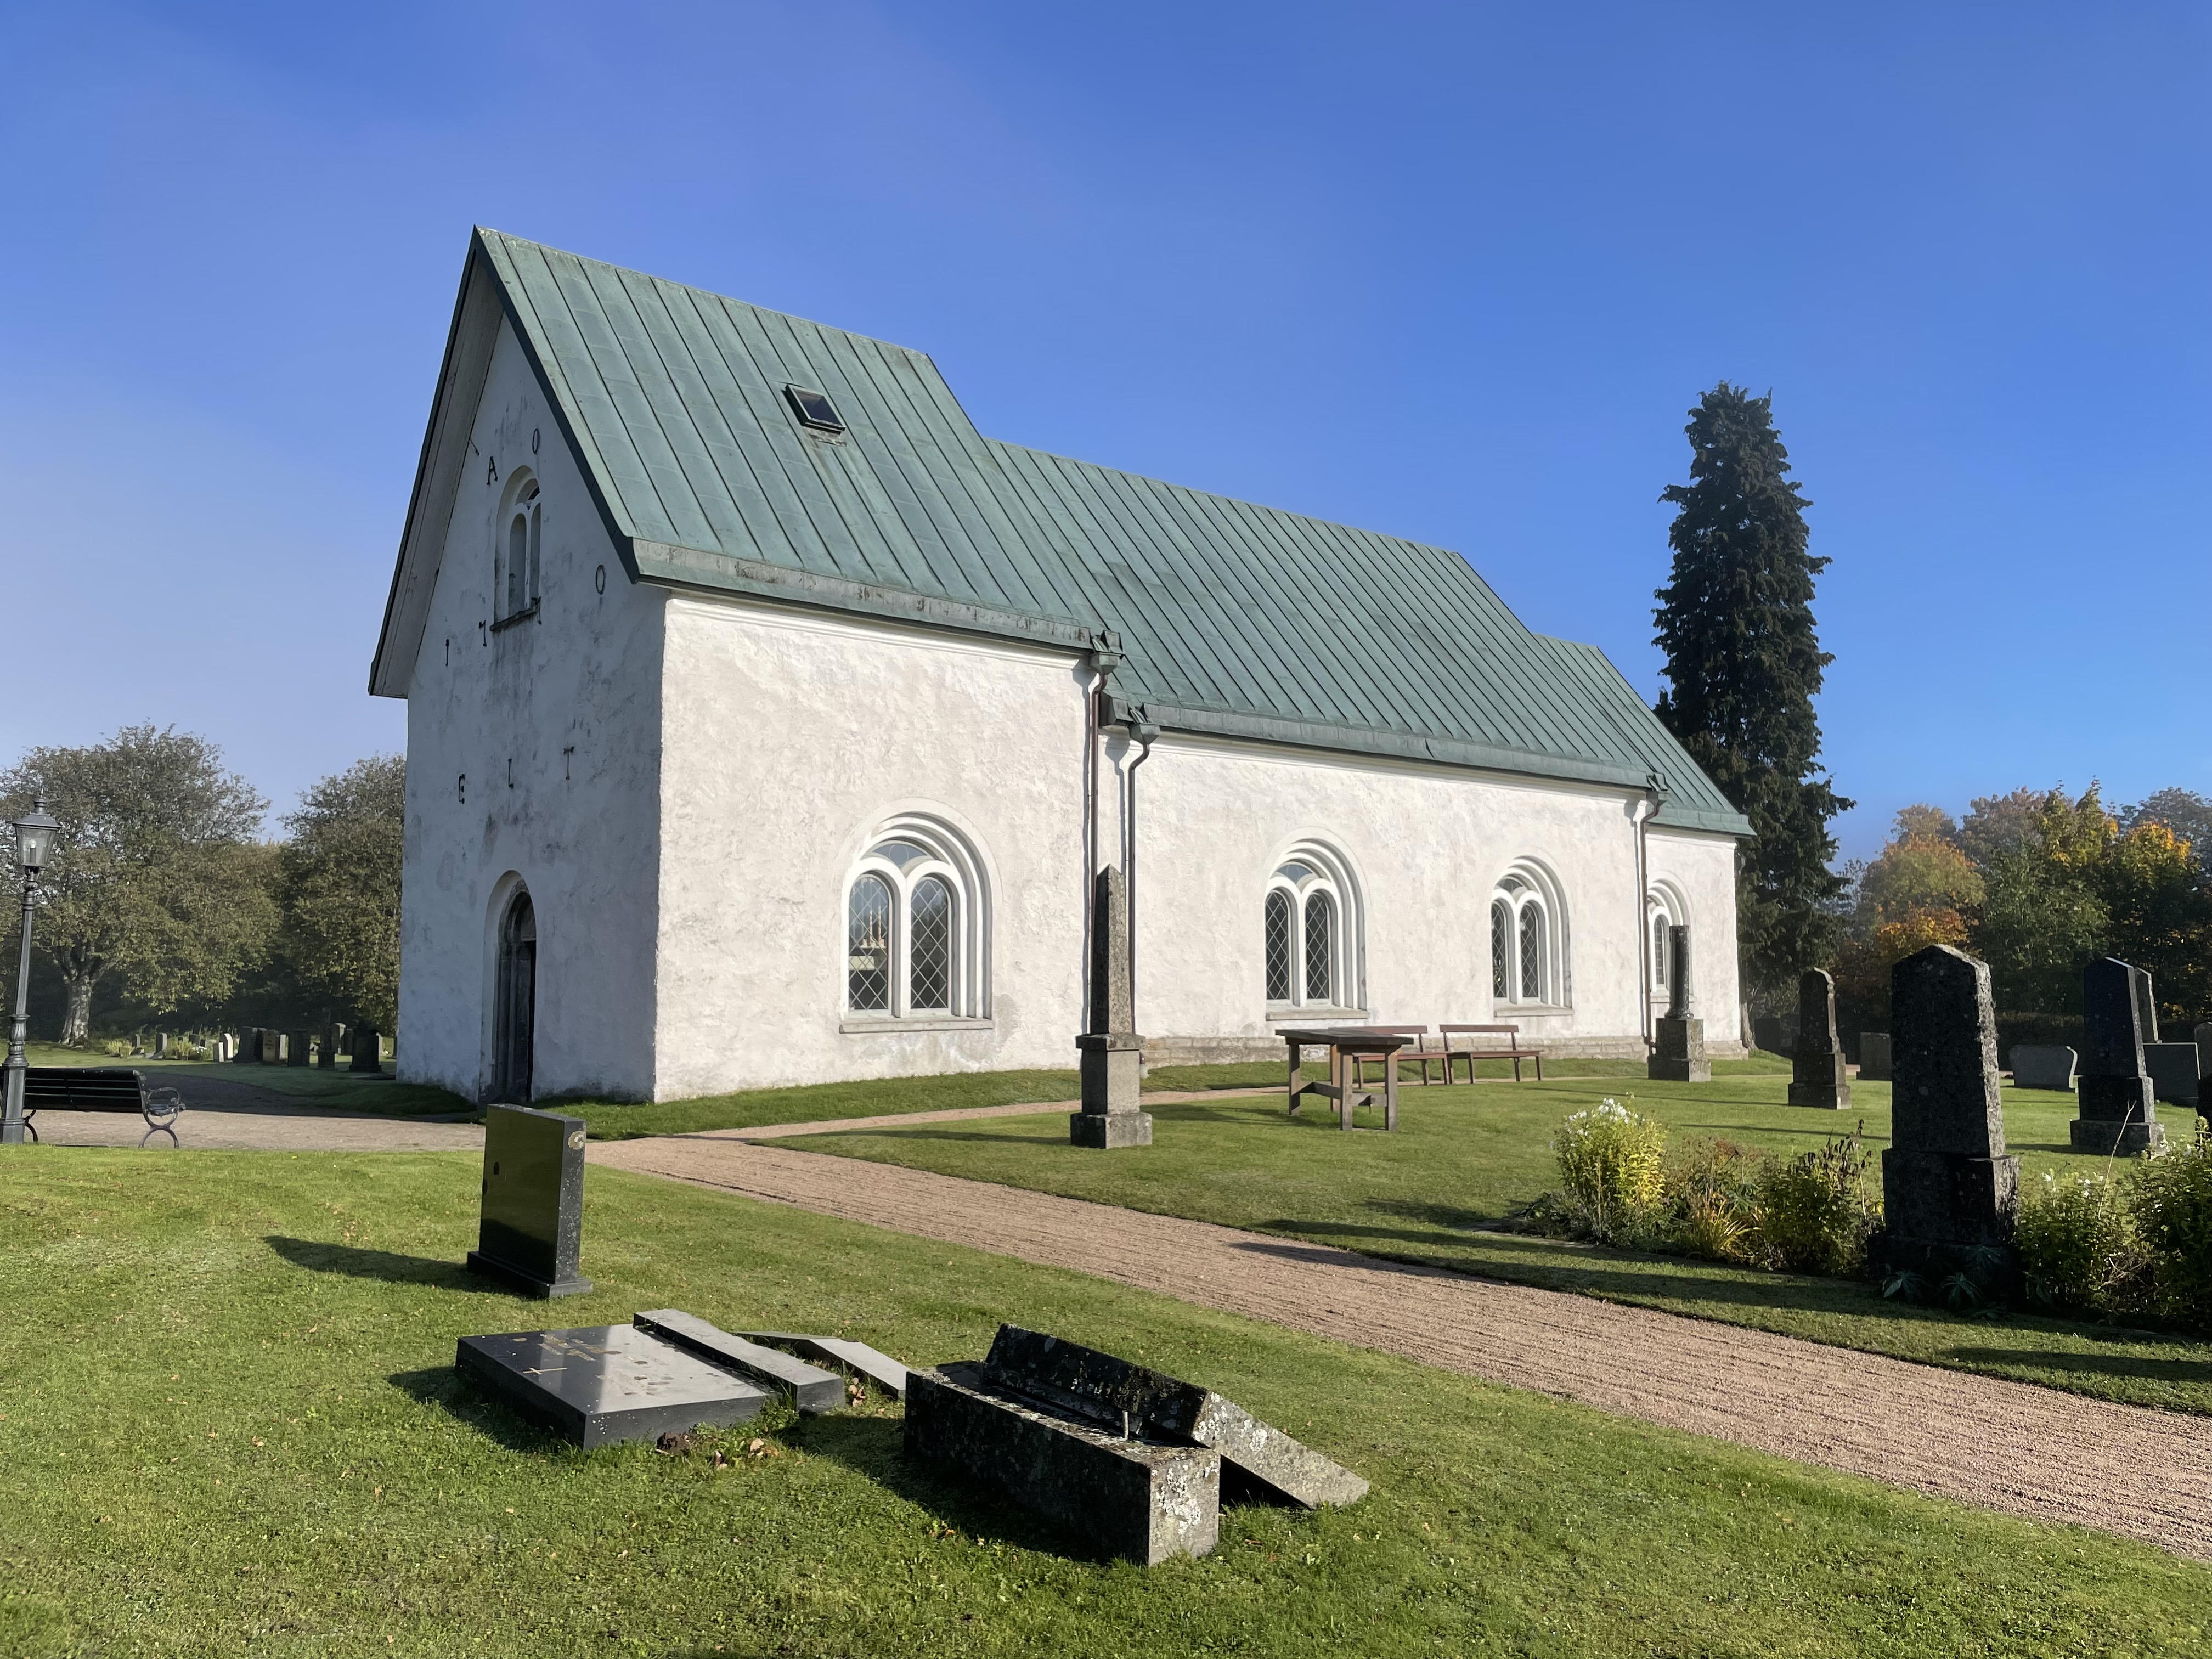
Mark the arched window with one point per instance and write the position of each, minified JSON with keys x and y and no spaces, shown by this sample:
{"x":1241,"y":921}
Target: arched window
{"x":1311,"y":934}
{"x":916,"y":926}
{"x":1279,"y":947}
{"x":514,"y":565}
{"x":1528,"y":940}
{"x":1664,"y":911}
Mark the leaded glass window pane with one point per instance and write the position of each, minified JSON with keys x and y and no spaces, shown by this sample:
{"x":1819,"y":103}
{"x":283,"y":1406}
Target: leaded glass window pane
{"x":1659,"y":950}
{"x":1501,"y":948}
{"x":1531,"y":953}
{"x":868,"y":946}
{"x":1320,"y":952}
{"x":518,"y":563}
{"x":930,"y":976}
{"x":1279,"y":947}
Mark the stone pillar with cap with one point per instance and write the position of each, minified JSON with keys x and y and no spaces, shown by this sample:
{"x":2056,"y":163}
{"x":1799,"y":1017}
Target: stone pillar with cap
{"x":1111,"y":1053}
{"x":1950,"y":1191}
{"x":2113,"y":1088}
{"x":1678,"y":1037}
{"x":1818,"y":1074}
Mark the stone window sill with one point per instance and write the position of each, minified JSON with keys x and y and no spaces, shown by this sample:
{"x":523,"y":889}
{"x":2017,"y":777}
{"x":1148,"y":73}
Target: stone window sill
{"x":873,"y":1025}
{"x":522,"y":615}
{"x":1284,"y":1014}
{"x":1533,"y":1009}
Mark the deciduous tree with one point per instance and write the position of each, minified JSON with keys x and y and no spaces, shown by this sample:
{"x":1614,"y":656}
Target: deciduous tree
{"x":341,"y":888}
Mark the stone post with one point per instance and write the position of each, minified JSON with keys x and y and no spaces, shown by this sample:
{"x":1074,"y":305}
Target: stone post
{"x":2117,"y":1098}
{"x":1817,"y":1073}
{"x":1678,"y":1037}
{"x":1950,"y":1189}
{"x":1111,"y":1053}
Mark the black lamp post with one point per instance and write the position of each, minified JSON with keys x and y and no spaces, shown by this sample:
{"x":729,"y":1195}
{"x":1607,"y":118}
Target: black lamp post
{"x":34,"y":844}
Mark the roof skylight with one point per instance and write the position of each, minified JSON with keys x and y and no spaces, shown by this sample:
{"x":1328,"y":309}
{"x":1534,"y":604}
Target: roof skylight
{"x":813,"y":409}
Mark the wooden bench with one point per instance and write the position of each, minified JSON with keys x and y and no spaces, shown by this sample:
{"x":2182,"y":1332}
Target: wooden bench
{"x":101,"y":1089}
{"x":1417,"y":1048}
{"x":1347,"y":1046}
{"x":1513,"y":1050}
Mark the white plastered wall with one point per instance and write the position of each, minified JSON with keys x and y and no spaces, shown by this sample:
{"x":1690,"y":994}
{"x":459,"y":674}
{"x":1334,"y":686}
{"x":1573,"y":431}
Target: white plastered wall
{"x":1701,"y":867}
{"x":791,"y":737}
{"x":556,"y":722}
{"x":1426,"y":847}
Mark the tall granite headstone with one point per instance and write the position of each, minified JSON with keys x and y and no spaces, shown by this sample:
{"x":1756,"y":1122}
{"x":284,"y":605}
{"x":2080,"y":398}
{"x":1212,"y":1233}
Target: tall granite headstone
{"x":1950,"y":1189}
{"x":1678,"y":1038}
{"x":532,"y":1224}
{"x":2116,"y":1096}
{"x":1817,"y":1073}
{"x":299,"y":1047}
{"x":368,"y":1050}
{"x":1111,"y":1053}
{"x":1874,"y":1057}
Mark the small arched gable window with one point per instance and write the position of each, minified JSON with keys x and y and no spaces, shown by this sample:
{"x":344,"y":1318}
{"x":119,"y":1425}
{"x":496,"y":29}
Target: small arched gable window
{"x":1663,"y":910}
{"x":1528,"y":940}
{"x":515,"y":557}
{"x":917,"y":942}
{"x":1310,"y":934}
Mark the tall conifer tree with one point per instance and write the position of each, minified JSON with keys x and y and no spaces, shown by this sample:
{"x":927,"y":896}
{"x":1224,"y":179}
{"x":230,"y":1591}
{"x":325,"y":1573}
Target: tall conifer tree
{"x":1744,"y":662}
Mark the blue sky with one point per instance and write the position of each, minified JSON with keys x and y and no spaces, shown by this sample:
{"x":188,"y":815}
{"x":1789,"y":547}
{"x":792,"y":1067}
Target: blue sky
{"x":1452,"y":271}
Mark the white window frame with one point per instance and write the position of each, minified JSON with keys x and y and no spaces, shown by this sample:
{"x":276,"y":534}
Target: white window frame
{"x":1307,"y":870}
{"x":1524,"y":888}
{"x":524,"y":500}
{"x":903,"y":852}
{"x":1663,"y":907}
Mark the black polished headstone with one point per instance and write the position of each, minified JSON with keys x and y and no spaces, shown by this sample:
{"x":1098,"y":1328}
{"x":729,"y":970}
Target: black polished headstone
{"x":605,"y":1383}
{"x":532,"y":1227}
{"x":2116,"y":1097}
{"x":368,"y":1050}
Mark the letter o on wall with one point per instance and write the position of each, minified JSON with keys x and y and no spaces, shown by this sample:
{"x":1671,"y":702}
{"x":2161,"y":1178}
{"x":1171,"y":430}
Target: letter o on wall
{"x":599,"y":580}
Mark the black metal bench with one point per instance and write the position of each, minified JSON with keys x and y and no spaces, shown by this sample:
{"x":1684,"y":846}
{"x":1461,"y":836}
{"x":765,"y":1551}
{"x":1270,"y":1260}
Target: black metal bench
{"x":101,"y":1089}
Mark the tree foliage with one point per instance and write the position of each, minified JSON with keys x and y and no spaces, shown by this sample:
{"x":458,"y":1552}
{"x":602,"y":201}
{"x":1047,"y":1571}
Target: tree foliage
{"x":1744,"y":663}
{"x":157,"y":877}
{"x":340,"y":889}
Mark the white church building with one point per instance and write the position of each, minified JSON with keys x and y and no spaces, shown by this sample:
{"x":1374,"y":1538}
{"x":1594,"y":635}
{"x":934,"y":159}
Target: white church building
{"x":765,"y":721}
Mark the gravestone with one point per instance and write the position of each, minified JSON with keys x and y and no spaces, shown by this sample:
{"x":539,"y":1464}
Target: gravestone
{"x":879,"y":1368}
{"x":811,"y":1389}
{"x":1678,"y":1038}
{"x":327,"y":1051}
{"x":1260,"y":1463}
{"x":1874,"y":1057}
{"x":1129,"y":1495}
{"x":1774,"y":1034}
{"x":299,"y":1047}
{"x":532,"y":1223}
{"x":1818,"y":1076}
{"x":367,"y":1051}
{"x":161,"y":1045}
{"x":1950,"y":1192}
{"x":605,"y":1383}
{"x":2174,"y":1071}
{"x":2043,"y":1066}
{"x":2204,"y":1072}
{"x":1111,"y":1053}
{"x":2118,"y":1100}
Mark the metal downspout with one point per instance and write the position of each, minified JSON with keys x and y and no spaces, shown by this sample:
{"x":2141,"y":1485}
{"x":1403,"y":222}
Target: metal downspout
{"x":1145,"y":735}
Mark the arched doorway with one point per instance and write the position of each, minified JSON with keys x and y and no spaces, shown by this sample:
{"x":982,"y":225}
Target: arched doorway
{"x":517,"y":1006}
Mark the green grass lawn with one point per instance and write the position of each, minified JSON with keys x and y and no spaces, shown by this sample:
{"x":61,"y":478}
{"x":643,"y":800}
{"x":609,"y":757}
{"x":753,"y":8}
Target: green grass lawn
{"x":1463,"y":1159}
{"x":231,"y":1426}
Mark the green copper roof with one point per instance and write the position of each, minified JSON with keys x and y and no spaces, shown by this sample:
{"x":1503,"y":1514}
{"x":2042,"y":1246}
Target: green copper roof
{"x":1231,"y":618}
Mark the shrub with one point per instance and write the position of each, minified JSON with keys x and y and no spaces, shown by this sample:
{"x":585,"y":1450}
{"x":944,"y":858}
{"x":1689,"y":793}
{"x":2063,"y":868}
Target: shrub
{"x":1815,"y":1213}
{"x":1612,"y":1163}
{"x":116,"y":1049}
{"x":2173,"y":1205}
{"x":1710,"y":1200}
{"x":2077,"y":1250}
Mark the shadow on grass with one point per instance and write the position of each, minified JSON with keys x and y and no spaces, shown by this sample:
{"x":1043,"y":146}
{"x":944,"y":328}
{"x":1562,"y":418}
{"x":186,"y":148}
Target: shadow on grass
{"x":2092,"y":1364}
{"x":387,"y":1266}
{"x":444,"y":1387}
{"x":874,"y":1447}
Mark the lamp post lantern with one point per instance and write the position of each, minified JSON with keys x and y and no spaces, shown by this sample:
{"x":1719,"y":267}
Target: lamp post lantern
{"x":34,"y":844}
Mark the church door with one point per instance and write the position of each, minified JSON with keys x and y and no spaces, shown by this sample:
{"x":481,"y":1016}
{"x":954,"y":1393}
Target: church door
{"x":517,"y":1006}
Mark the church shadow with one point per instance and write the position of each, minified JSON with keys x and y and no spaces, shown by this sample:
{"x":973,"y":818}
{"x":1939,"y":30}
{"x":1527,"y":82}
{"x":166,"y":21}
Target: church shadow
{"x":388,"y":1265}
{"x":461,"y":1398}
{"x":2141,"y":1367}
{"x":873,"y":1446}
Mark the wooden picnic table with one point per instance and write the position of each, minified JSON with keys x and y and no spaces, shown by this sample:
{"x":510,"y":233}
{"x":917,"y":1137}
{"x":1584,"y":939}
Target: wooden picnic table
{"x":1347,"y":1046}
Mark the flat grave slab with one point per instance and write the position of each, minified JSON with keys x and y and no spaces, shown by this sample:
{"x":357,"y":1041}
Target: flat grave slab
{"x":603,"y":1383}
{"x":810,"y":1388}
{"x":880,"y":1369}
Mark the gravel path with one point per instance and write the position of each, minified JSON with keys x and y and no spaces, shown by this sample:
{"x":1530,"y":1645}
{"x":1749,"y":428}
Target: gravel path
{"x":222,"y":1115}
{"x":2012,"y":1446}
